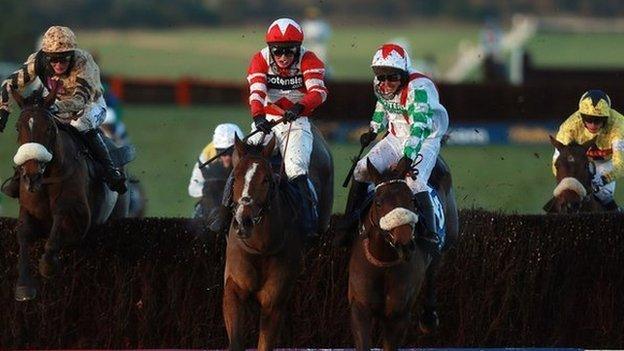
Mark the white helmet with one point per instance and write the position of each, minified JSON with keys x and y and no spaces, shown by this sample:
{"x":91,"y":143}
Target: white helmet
{"x":224,"y":135}
{"x":391,"y":55}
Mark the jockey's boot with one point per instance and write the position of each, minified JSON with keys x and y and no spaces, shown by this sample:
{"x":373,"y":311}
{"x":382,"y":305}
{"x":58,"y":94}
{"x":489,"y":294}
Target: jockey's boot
{"x":114,"y":177}
{"x":429,"y":238}
{"x":612,"y":206}
{"x":308,"y":217}
{"x":11,"y":186}
{"x":219,"y":220}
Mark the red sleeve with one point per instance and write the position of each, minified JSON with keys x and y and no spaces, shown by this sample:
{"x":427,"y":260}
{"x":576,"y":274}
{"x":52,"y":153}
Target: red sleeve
{"x":256,"y":77}
{"x":314,"y":78}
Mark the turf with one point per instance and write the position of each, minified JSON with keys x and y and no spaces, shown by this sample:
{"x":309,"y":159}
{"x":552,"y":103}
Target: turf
{"x":169,"y":139}
{"x":589,"y":50}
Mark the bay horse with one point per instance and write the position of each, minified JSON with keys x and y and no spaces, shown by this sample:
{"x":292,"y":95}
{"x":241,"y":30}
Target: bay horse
{"x":574,"y":173}
{"x":58,"y":193}
{"x":388,"y":267}
{"x":264,"y":245}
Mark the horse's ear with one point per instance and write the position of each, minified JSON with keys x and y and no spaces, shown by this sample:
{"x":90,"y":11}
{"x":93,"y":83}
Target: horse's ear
{"x":239,"y":146}
{"x":556,"y":143}
{"x":373,"y":173}
{"x":403,"y":167}
{"x":16,"y":96}
{"x":586,"y":145}
{"x":267,"y":151}
{"x":549,"y":207}
{"x":49,"y":100}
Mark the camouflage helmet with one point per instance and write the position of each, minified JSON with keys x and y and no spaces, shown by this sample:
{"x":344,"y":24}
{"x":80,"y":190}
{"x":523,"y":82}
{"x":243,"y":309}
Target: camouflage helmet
{"x":595,"y":103}
{"x":58,"y":39}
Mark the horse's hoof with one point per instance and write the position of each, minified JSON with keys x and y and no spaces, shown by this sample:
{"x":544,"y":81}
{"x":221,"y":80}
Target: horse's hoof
{"x":48,"y":267}
{"x":25,"y":293}
{"x":428,"y":322}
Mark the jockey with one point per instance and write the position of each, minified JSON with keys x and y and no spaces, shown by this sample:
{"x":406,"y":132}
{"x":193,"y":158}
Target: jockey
{"x":596,"y":119}
{"x":79,"y":100}
{"x":408,"y":107}
{"x":222,"y":139}
{"x":290,"y":77}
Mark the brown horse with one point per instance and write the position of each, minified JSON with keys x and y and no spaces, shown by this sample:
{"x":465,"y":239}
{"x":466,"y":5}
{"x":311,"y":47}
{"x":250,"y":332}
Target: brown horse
{"x":388,"y":266}
{"x":57,"y":193}
{"x":574,"y":192}
{"x":264,"y":245}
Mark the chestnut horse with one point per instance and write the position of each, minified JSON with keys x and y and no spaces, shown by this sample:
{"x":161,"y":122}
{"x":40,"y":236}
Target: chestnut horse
{"x":388,"y":266}
{"x":264,"y":244}
{"x":57,"y":193}
{"x":574,"y":173}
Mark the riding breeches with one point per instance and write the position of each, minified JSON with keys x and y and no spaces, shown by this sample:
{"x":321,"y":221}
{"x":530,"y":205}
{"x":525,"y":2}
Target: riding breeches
{"x":297,"y":156}
{"x":605,"y":193}
{"x":389,"y":151}
{"x":91,"y":117}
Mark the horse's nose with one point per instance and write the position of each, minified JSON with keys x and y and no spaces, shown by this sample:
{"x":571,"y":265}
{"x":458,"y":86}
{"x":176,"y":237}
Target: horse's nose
{"x":245,"y":200}
{"x":244,"y":228}
{"x":33,"y":182}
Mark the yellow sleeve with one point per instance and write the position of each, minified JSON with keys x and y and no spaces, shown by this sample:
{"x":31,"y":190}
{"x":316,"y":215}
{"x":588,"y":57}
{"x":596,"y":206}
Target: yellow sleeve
{"x":207,"y":153}
{"x":617,"y":145}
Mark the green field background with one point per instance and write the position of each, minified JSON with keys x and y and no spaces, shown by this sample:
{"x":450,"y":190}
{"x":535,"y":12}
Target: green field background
{"x":169,"y":139}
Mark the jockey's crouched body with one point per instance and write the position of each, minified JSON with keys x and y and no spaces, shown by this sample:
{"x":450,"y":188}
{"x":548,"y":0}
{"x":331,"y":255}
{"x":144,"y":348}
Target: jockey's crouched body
{"x":408,"y":107}
{"x":199,"y":184}
{"x":79,"y":100}
{"x":596,"y":119}
{"x":287,"y":75}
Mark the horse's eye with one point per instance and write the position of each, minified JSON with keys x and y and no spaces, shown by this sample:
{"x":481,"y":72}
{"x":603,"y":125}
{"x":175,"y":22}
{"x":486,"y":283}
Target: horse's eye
{"x":377,"y":203}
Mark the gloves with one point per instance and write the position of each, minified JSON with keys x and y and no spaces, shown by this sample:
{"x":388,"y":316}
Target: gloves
{"x":367,"y":138}
{"x":262,"y":124}
{"x":598,"y":182}
{"x":293,"y":113}
{"x":4,"y":118}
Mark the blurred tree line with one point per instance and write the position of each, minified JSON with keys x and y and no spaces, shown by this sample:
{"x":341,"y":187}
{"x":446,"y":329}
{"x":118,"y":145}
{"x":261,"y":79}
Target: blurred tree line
{"x":24,"y":20}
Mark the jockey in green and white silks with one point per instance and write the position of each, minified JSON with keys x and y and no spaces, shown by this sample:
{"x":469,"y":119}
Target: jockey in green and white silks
{"x":408,"y":107}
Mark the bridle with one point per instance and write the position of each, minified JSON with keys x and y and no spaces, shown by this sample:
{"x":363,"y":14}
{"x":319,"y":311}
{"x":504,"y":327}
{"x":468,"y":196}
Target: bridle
{"x":386,"y":234}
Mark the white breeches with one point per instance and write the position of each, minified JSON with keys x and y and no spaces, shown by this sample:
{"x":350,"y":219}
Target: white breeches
{"x":300,"y":142}
{"x":605,"y":193}
{"x":389,"y":151}
{"x":91,"y":117}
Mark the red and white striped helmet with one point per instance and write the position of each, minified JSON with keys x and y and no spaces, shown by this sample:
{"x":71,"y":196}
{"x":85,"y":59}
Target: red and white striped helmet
{"x":284,"y":30}
{"x":391,"y":55}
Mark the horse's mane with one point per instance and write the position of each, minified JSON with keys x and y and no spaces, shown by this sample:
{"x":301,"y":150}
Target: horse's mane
{"x":254,"y":149}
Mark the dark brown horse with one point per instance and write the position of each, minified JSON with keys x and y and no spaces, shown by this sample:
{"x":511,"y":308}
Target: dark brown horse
{"x":388,"y":266}
{"x":264,"y":245}
{"x":574,"y":192}
{"x":57,"y":193}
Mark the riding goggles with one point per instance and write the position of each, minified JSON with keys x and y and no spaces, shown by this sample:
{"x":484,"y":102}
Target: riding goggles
{"x":593,"y":119}
{"x":284,"y":50}
{"x":59,"y":58}
{"x":395,"y":77}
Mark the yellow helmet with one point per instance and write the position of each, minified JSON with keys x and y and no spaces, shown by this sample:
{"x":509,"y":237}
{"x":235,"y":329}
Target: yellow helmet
{"x":595,"y":103}
{"x":58,"y":39}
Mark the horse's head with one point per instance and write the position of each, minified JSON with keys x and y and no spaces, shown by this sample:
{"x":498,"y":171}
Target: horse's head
{"x":254,"y":185}
{"x":36,"y":135}
{"x":392,"y":212}
{"x":574,"y":173}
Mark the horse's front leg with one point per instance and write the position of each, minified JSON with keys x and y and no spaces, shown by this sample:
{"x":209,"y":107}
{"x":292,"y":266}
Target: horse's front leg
{"x":234,"y":308}
{"x":49,"y":261}
{"x":271,"y":317}
{"x":273,"y":299}
{"x":25,"y":287}
{"x":394,"y":328}
{"x":361,"y":325}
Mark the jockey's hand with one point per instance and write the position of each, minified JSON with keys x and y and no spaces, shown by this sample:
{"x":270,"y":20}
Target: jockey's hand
{"x":4,"y":118}
{"x":598,"y":182}
{"x":262,"y":124}
{"x":293,"y":113}
{"x":367,"y":138}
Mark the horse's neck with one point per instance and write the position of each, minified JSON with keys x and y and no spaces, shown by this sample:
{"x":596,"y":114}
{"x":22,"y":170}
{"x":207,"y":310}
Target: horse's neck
{"x":269,"y":235}
{"x":379,"y":247}
{"x":59,"y":151}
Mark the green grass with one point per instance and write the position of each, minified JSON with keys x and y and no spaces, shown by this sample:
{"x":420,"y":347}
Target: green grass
{"x":168,"y":139}
{"x":223,"y":53}
{"x":591,"y":50}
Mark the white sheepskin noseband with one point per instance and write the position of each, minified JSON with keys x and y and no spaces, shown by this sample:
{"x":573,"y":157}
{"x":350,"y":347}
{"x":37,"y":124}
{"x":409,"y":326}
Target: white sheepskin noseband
{"x":570,"y":183}
{"x":30,"y":151}
{"x":397,"y":217}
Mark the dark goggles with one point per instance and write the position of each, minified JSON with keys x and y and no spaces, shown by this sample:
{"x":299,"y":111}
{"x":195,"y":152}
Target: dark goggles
{"x":226,"y":152}
{"x":59,"y":58}
{"x":593,"y":119}
{"x":284,"y":50}
{"x":395,"y":77}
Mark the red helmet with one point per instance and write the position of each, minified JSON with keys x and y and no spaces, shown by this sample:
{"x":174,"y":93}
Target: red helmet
{"x":284,"y":30}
